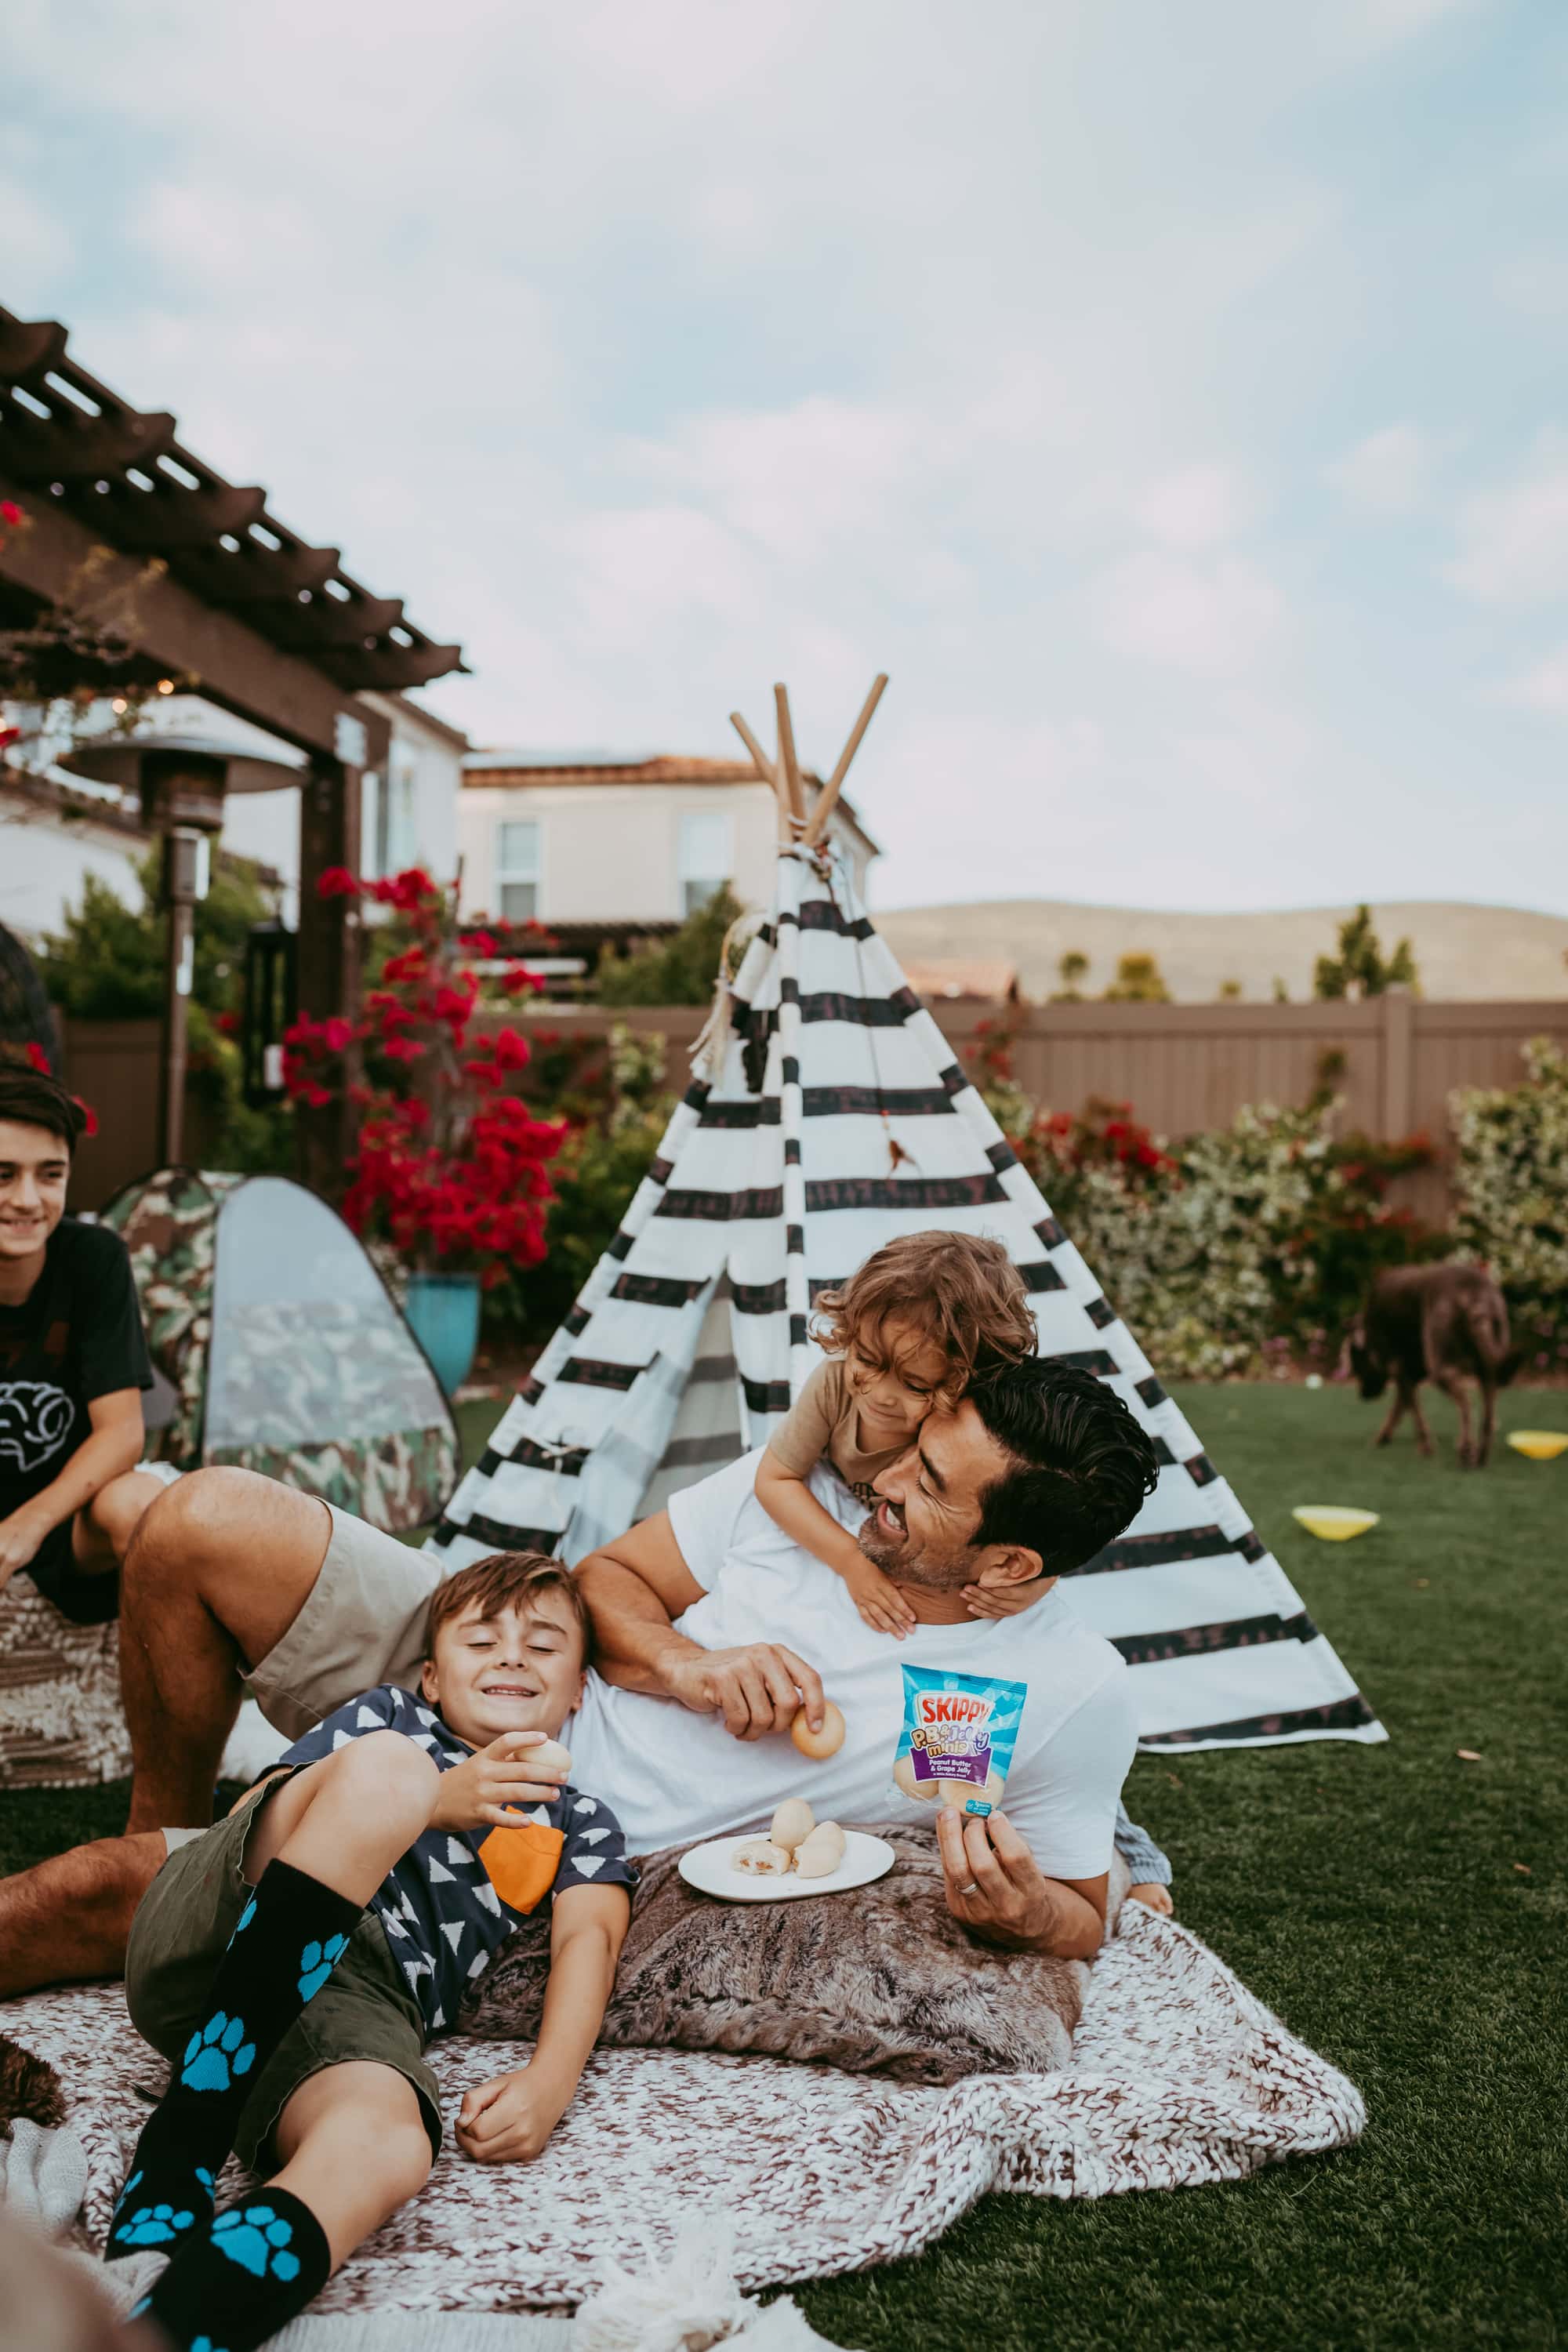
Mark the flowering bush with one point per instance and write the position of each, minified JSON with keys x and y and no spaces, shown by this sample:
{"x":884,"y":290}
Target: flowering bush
{"x":1241,"y":1249}
{"x":610,"y":1093}
{"x":452,"y":1166}
{"x":1512,"y":1177}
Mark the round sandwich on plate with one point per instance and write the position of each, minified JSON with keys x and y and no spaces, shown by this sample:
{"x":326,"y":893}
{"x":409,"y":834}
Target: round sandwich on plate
{"x":827,"y":1861}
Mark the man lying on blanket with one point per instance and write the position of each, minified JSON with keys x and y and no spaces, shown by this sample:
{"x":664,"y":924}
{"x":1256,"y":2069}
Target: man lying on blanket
{"x":714,"y":1630}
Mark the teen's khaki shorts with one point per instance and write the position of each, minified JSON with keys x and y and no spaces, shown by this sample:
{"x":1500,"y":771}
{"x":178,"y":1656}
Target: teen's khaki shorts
{"x":363,"y":1624}
{"x":365,"y":2010}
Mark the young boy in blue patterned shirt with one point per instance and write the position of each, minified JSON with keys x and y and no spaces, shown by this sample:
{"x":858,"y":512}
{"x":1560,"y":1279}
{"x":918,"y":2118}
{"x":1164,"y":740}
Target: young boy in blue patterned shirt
{"x":293,"y":1962}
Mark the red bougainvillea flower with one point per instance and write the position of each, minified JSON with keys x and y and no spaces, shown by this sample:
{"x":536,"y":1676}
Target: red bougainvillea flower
{"x":10,"y":512}
{"x":36,"y":1057}
{"x":408,"y":892}
{"x":455,"y":1168}
{"x":410,"y":964}
{"x":88,"y":1113}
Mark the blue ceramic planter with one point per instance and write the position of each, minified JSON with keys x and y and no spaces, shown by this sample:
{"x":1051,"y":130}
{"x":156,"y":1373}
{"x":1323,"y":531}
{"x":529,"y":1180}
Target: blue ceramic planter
{"x":443,"y":1312}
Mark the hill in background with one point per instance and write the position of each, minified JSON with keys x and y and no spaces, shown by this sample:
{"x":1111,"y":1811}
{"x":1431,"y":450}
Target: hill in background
{"x":1460,"y":951}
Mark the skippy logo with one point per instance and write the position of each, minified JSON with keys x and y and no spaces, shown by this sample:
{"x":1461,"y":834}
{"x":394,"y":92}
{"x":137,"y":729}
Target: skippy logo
{"x":958,"y":1737}
{"x":950,"y":1734}
{"x":35,"y":1419}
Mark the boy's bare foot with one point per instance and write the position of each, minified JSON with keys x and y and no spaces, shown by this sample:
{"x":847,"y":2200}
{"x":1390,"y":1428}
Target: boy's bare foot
{"x":1156,"y":1896}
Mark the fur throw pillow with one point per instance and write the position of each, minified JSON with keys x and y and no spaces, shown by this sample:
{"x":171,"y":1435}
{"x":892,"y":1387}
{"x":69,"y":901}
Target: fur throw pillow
{"x":880,"y":1980}
{"x":28,"y":2086}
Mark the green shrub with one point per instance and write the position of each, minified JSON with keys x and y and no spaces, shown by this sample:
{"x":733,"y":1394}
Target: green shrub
{"x":677,"y":970}
{"x":611,"y":1092}
{"x":106,"y":963}
{"x":1360,"y":968}
{"x":1242,"y":1249}
{"x":1512,"y":1178}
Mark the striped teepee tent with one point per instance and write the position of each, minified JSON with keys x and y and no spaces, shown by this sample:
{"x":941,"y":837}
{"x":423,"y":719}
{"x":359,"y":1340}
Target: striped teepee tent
{"x":828,"y":1114}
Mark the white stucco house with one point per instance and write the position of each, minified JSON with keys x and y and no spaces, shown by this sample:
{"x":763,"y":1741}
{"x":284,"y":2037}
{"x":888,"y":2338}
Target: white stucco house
{"x":593,"y":839}
{"x":54,"y":830}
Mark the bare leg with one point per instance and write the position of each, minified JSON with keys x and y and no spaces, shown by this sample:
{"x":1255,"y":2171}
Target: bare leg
{"x":347,"y":1820}
{"x":1453,"y":1386}
{"x":69,"y":1917}
{"x":102,"y":1533}
{"x":218,"y":1568}
{"x":1395,"y":1414}
{"x":355,"y":2148}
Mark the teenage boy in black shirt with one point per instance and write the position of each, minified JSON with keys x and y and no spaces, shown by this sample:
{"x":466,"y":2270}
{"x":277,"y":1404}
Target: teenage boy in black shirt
{"x":73,"y":1363}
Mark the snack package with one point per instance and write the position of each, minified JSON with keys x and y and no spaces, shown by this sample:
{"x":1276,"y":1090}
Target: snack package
{"x":958,"y":1737}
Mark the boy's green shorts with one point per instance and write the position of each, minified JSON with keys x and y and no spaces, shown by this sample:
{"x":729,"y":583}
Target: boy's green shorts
{"x":365,"y":2010}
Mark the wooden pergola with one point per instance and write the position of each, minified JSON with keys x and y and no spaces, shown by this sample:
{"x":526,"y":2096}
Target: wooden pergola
{"x":227,"y":600}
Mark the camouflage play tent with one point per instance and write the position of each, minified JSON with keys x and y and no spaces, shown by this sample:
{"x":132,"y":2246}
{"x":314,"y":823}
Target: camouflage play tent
{"x":282,"y":1346}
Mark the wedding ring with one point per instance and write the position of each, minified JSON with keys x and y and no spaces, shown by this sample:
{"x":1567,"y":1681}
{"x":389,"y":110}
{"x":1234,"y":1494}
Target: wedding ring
{"x":970,"y":1889}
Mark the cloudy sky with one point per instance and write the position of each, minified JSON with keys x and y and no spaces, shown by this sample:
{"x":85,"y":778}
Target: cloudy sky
{"x":1173,"y":398}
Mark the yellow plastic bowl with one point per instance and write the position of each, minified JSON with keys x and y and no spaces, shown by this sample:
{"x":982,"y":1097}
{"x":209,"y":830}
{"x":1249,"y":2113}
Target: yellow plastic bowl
{"x":1541,"y":1444}
{"x":1334,"y":1522}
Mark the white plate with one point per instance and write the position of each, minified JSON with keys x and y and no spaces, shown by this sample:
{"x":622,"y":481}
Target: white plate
{"x":709,"y":1868}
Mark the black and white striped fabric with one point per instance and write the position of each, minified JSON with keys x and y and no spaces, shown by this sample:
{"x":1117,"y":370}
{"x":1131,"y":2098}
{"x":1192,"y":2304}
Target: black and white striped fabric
{"x":839,"y":1119}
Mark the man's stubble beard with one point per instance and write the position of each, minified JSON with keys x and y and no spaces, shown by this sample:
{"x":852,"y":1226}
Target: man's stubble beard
{"x":930,"y":1574}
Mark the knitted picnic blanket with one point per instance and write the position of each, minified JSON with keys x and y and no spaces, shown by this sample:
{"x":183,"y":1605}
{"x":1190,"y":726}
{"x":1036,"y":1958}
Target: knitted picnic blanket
{"x":1178,"y":2076}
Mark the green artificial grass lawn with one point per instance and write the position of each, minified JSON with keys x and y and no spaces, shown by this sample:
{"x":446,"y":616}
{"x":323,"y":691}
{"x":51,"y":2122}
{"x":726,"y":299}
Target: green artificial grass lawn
{"x":1369,"y":1895}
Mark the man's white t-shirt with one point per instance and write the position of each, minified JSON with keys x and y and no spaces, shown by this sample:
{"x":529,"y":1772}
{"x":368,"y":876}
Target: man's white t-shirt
{"x":673,"y":1775}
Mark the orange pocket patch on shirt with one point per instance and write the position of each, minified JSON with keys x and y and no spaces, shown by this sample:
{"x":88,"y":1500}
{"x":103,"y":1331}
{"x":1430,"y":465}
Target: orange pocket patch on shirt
{"x":521,"y":1863}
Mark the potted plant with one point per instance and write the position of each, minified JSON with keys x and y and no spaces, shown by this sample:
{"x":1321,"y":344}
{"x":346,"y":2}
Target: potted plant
{"x":451,"y":1169}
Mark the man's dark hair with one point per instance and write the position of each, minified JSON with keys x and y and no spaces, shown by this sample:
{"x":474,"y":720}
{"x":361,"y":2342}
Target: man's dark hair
{"x":1082,"y":1465}
{"x":33,"y":1099}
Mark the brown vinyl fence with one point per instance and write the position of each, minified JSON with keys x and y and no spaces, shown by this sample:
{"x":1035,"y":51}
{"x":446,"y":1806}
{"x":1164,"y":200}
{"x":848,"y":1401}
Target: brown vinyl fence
{"x":113,"y":1066}
{"x":1180,"y":1066}
{"x":1186,"y":1066}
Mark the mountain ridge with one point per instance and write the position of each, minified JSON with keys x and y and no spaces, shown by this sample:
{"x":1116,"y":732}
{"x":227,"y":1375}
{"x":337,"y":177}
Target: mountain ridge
{"x":1465,"y":951}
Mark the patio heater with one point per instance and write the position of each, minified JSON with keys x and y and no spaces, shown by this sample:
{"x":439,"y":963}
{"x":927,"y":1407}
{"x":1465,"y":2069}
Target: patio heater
{"x":183,"y":782}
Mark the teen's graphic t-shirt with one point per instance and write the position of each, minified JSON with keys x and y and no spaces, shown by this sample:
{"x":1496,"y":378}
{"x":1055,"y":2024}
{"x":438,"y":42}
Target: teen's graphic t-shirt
{"x":76,"y":1336}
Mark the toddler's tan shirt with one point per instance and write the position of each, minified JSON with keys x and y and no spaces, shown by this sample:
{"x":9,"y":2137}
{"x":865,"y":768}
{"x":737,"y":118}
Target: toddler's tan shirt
{"x":825,"y":1420}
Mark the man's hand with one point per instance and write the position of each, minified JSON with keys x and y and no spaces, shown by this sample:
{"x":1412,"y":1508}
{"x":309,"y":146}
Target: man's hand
{"x":757,"y":1689}
{"x":510,"y":2120}
{"x":994,"y":1886}
{"x":475,"y":1795}
{"x":20,"y":1537}
{"x":996,"y":1890}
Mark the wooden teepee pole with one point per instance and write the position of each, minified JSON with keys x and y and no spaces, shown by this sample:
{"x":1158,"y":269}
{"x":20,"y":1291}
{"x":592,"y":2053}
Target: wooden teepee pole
{"x":789,"y":768}
{"x":830,"y":790}
{"x":769,"y":770}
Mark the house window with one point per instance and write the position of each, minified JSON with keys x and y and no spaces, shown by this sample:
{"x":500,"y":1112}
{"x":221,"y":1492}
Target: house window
{"x":706,"y":856}
{"x":516,"y":869}
{"x":394,"y":843}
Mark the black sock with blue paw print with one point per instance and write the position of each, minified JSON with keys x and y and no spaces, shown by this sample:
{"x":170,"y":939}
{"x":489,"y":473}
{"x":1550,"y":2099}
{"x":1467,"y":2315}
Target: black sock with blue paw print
{"x":242,"y":2276}
{"x":291,"y":1935}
